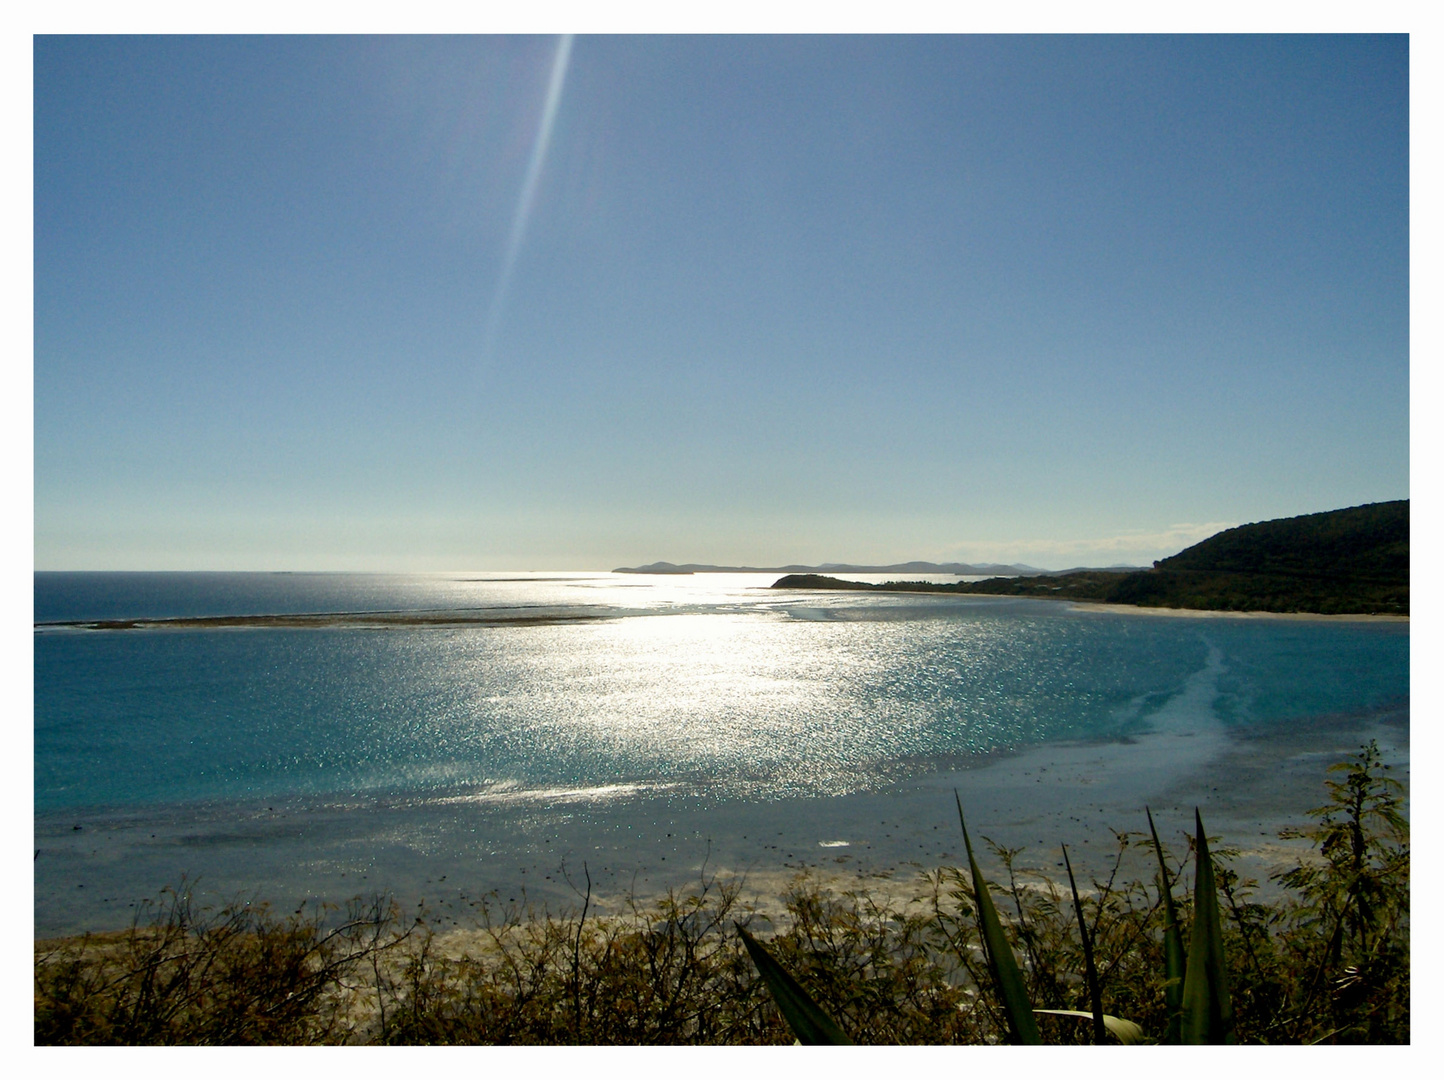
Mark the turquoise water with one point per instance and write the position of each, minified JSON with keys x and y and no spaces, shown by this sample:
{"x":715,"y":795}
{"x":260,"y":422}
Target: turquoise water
{"x":695,"y":722}
{"x":709,"y":685}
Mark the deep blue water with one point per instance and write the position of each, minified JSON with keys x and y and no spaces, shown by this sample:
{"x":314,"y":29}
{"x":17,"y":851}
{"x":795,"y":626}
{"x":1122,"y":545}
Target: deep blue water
{"x":710,"y":683}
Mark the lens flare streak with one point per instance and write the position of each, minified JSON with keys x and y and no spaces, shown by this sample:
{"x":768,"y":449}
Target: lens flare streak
{"x":528,"y":192}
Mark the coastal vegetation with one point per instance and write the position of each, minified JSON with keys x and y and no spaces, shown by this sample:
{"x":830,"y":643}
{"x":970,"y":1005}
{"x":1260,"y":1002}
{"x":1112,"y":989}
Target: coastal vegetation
{"x":1342,"y":562}
{"x":1327,"y":961}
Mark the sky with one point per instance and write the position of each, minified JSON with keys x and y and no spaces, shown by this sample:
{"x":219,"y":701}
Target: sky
{"x":533,"y":303}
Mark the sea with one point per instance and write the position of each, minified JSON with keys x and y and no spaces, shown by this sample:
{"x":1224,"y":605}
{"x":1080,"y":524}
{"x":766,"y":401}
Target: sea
{"x":448,"y":738}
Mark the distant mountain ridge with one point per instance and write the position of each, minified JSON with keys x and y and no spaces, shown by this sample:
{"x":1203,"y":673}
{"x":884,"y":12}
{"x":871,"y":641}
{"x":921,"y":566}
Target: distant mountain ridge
{"x":1351,"y":561}
{"x":961,"y":569}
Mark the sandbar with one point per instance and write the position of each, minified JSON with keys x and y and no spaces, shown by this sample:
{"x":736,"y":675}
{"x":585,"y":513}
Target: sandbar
{"x":370,"y":619}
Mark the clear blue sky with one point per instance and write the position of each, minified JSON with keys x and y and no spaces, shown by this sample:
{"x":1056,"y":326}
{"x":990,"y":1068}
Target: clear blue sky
{"x":1057,"y":300}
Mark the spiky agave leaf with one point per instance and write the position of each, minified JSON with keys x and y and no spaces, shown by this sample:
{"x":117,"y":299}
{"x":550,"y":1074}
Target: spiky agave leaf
{"x":1174,"y":964}
{"x":805,"y":1017}
{"x":1001,"y":962}
{"x":1090,"y":970}
{"x":1207,"y":1010}
{"x":1125,"y":1031}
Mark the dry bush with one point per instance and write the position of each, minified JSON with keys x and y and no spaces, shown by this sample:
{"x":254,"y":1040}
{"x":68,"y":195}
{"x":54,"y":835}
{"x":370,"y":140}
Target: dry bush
{"x":237,"y":976}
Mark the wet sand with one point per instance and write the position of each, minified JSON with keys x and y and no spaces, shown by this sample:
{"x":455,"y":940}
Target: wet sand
{"x":446,"y":853}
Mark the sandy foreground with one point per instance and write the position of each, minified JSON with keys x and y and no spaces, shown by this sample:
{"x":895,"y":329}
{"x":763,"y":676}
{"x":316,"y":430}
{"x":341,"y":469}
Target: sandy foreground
{"x":447,"y":856}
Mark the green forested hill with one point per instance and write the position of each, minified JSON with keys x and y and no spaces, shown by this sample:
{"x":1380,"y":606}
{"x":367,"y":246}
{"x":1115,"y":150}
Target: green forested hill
{"x":1353,"y":561}
{"x":1341,"y":561}
{"x":1369,"y":541}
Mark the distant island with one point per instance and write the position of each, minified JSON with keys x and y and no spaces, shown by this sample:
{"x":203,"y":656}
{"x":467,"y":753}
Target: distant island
{"x":1340,"y":562}
{"x":961,"y":569}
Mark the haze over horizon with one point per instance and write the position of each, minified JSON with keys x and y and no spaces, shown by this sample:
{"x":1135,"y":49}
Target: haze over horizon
{"x":522,"y":303}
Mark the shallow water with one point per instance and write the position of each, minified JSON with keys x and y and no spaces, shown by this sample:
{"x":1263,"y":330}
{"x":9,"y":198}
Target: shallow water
{"x":292,"y":754}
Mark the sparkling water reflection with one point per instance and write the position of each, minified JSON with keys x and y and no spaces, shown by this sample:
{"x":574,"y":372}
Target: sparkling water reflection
{"x":710,"y":684}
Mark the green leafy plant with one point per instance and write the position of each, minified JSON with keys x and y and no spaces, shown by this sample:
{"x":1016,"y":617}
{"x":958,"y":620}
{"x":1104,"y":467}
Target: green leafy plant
{"x":1353,"y":920}
{"x":1090,"y":969}
{"x":1001,"y":963}
{"x":1174,"y":957}
{"x":805,"y":1017}
{"x":1202,"y":1007}
{"x":1207,"y":1011}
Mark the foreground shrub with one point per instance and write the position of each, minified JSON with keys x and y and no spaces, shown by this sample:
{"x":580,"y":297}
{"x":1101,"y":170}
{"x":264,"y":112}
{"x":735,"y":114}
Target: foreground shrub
{"x":1328,"y":962}
{"x":234,"y":977}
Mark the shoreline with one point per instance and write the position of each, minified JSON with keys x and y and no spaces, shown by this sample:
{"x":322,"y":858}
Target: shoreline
{"x":1084,"y":604}
{"x":1211,"y":613}
{"x":491,"y":617}
{"x":445,"y":854}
